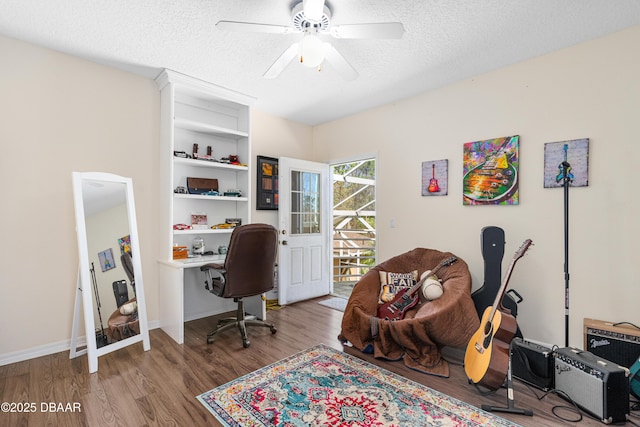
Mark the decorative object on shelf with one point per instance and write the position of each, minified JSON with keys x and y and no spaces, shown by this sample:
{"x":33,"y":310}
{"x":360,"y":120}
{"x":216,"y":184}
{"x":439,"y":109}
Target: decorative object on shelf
{"x":106,"y":260}
{"x":202,"y":185}
{"x":182,"y":227}
{"x":222,"y":226}
{"x":434,"y":178}
{"x":232,"y":193}
{"x":180,"y":252}
{"x":267,"y":184}
{"x":222,"y":249}
{"x":575,"y":153}
{"x":125,"y":244}
{"x":233,"y":221}
{"x":490,"y":170}
{"x":180,"y":190}
{"x":182,"y":154}
{"x":199,"y":220}
{"x":197,"y":246}
{"x":208,"y":156}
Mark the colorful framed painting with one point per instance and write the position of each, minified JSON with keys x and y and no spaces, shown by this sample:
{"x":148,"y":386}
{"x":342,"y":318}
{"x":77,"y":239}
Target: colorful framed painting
{"x":576,"y":153}
{"x":125,"y":244}
{"x":106,"y":260}
{"x":490,"y":172}
{"x":434,"y":178}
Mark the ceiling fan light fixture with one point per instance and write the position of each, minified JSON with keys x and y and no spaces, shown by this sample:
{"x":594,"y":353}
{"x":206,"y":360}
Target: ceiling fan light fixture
{"x":311,"y":50}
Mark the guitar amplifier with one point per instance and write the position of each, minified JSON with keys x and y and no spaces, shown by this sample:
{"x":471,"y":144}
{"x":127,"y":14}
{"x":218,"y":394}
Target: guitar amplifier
{"x":532,"y":363}
{"x":597,"y":385}
{"x":619,"y":344}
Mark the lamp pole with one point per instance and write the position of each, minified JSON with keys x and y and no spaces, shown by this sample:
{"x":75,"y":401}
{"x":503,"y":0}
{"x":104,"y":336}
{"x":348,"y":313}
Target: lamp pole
{"x":566,"y":177}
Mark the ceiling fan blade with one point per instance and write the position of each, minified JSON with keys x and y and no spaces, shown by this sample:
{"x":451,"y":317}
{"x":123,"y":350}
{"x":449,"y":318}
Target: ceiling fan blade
{"x":252,"y":27}
{"x":339,"y":62}
{"x":282,"y":61}
{"x":381,"y":30}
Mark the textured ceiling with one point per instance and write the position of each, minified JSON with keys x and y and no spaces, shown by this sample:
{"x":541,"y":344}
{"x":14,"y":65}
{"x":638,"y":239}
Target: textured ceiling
{"x":445,"y":41}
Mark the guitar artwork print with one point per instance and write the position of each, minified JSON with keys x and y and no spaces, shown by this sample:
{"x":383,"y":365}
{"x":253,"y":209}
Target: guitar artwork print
{"x":495,"y":179}
{"x":433,"y":182}
{"x":565,"y":167}
{"x":408,"y":297}
{"x":486,"y":360}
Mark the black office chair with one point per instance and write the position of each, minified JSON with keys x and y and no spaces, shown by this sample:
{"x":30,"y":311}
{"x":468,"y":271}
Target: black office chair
{"x":248,"y":270}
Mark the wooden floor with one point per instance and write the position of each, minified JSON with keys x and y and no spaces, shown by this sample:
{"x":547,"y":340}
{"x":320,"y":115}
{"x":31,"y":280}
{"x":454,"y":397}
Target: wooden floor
{"x":158,"y":387}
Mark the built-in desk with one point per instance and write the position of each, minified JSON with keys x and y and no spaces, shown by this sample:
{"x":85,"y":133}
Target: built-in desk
{"x":182,"y":296}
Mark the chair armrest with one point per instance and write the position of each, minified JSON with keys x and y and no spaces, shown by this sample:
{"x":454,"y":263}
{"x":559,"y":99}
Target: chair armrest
{"x":216,"y":278}
{"x":212,"y":265}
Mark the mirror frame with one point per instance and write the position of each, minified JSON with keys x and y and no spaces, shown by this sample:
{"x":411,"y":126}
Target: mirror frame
{"x":84,"y":291}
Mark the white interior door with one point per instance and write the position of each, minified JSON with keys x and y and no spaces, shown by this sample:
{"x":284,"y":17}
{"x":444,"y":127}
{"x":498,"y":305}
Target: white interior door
{"x":304,"y":256}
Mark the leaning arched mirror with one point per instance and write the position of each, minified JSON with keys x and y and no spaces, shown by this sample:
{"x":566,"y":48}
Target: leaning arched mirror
{"x":110,"y":286}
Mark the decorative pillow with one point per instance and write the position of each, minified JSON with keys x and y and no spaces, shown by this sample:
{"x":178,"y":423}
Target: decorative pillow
{"x":391,"y":283}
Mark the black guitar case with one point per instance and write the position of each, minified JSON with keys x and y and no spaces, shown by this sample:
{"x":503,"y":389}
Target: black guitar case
{"x":492,"y":241}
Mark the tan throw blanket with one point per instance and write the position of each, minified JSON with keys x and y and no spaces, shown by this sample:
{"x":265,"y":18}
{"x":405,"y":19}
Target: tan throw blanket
{"x":450,"y":320}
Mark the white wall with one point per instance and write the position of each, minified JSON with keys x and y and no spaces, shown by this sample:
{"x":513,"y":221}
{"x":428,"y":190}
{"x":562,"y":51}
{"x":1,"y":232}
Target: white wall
{"x":588,"y":91}
{"x":62,"y":114}
{"x":276,"y":137}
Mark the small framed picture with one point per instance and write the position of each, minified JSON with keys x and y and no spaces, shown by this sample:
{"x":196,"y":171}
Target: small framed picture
{"x":267,"y":184}
{"x":125,"y":244}
{"x":199,"y":221}
{"x":434,"y":177}
{"x":106,"y":260}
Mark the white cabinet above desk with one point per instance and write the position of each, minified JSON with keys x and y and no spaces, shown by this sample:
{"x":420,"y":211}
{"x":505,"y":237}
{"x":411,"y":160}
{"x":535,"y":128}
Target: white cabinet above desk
{"x":194,"y":112}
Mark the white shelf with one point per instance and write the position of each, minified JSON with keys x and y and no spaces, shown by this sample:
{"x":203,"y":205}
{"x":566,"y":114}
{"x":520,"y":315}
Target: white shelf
{"x":205,"y":231}
{"x":208,"y":164}
{"x":205,"y":197}
{"x":196,"y":126}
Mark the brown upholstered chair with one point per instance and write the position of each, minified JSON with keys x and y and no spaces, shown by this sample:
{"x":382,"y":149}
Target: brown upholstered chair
{"x":248,"y":270}
{"x":448,"y":321}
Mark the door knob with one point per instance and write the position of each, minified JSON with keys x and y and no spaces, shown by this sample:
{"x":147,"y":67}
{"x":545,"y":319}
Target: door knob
{"x":284,"y":242}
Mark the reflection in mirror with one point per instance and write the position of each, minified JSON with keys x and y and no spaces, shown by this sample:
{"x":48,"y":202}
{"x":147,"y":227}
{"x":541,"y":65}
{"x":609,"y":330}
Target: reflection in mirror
{"x":115,"y":307}
{"x":110,"y":274}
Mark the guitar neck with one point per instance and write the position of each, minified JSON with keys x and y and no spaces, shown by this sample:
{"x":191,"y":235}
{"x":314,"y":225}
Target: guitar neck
{"x":503,"y":287}
{"x":415,"y":287}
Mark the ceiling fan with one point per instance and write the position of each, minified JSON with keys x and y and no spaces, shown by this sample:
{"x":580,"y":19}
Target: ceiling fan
{"x":312,"y":18}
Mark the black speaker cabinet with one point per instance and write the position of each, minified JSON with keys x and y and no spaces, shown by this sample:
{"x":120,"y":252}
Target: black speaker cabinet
{"x":619,"y":344}
{"x":532,"y":363}
{"x":598,"y":386}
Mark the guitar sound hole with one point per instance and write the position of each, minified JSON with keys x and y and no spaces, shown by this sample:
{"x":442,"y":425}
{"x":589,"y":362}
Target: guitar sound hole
{"x":488,"y":328}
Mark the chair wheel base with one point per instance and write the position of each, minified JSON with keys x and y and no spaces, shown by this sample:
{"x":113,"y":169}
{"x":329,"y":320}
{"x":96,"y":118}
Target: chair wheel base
{"x":210,"y":340}
{"x":273,"y":330}
{"x":246,"y":343}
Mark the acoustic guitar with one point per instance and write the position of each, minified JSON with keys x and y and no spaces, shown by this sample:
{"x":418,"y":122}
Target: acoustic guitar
{"x":486,"y":360}
{"x":408,"y":297}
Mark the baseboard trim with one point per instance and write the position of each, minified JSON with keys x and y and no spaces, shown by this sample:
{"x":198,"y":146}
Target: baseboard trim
{"x":47,"y":349}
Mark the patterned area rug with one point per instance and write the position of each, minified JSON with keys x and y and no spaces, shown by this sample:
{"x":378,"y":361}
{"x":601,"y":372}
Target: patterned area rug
{"x":325,"y":387}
